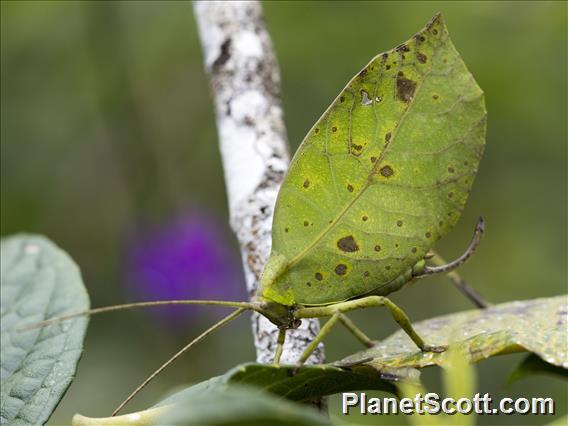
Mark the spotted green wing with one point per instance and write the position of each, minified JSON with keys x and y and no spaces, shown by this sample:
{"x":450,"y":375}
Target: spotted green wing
{"x":382,"y":175}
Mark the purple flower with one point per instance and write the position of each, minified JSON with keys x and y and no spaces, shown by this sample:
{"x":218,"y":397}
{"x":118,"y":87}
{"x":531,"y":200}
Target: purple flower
{"x":188,"y":258}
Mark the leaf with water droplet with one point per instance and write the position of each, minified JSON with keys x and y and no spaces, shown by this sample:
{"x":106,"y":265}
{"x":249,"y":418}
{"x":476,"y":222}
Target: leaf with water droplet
{"x":39,"y":282}
{"x":382,"y":175}
{"x":539,"y":326}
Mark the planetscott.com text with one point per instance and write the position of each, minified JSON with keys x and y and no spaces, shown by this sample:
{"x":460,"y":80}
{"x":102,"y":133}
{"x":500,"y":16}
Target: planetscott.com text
{"x":432,"y":403}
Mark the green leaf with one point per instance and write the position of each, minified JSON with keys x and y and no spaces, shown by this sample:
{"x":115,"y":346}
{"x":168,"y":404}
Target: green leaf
{"x":145,"y":417}
{"x":459,"y":381}
{"x":240,"y":406}
{"x":562,"y":421}
{"x":382,"y":175}
{"x":538,"y":326}
{"x":39,"y":282}
{"x":532,"y":365}
{"x":231,"y":399}
{"x":311,"y":382}
{"x":262,"y":381}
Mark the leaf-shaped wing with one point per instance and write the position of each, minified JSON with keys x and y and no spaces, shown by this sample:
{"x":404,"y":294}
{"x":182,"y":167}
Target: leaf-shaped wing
{"x":382,"y":175}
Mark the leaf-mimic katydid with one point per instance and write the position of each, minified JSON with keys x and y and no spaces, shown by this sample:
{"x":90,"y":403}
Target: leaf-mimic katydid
{"x":380,"y":177}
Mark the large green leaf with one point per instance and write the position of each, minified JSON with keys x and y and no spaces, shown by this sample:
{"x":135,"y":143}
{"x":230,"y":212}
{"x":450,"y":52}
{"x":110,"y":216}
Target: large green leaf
{"x":310,"y":382}
{"x":240,"y":406}
{"x":539,"y":326}
{"x":39,"y":282}
{"x":198,"y":404}
{"x":382,"y":175}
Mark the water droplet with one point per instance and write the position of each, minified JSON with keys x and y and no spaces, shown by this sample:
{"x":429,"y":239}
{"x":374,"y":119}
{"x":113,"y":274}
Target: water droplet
{"x":365,"y":100}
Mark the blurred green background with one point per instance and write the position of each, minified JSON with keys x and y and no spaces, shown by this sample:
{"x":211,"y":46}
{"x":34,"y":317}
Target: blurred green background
{"x":107,"y":129}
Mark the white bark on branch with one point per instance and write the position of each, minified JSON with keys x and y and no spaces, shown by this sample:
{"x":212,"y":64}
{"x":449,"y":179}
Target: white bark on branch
{"x":245,"y":82}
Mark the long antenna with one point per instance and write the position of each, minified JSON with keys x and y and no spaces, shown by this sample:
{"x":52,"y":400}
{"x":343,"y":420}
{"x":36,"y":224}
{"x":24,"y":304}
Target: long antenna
{"x":211,"y":329}
{"x":243,"y":305}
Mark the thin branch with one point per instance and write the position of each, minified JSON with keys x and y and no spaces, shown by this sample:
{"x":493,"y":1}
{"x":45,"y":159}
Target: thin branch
{"x":245,"y":83}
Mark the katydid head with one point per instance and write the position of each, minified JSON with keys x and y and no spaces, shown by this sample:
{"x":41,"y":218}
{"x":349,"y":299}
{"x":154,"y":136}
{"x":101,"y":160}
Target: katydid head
{"x":280,"y":315}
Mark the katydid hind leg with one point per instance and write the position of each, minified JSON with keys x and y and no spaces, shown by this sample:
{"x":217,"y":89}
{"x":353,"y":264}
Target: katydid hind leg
{"x":356,"y":331}
{"x":444,"y":269}
{"x":404,"y":322}
{"x":449,"y":268}
{"x":370,"y":302}
{"x":463,"y":287}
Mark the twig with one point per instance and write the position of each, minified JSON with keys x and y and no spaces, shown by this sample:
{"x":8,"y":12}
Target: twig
{"x":245,"y":83}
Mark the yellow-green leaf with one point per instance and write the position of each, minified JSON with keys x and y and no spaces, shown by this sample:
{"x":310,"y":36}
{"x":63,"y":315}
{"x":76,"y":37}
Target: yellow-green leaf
{"x":539,"y":326}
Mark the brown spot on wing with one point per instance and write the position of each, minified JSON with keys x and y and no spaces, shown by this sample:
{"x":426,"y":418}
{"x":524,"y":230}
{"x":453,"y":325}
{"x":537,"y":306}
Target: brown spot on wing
{"x":347,"y":244}
{"x":386,"y":171}
{"x":341,"y":269}
{"x":306,"y":183}
{"x":405,"y":88}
